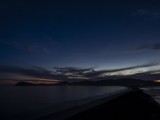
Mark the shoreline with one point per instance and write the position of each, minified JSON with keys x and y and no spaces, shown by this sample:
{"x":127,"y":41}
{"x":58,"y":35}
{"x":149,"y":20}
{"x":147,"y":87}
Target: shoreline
{"x":66,"y":113}
{"x":28,"y":107}
{"x":134,"y":105}
{"x":101,"y":108}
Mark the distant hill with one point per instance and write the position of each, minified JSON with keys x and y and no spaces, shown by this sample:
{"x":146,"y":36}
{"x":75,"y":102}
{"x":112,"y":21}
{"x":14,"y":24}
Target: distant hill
{"x":31,"y":84}
{"x":24,"y":84}
{"x":118,"y":82}
{"x":130,"y":82}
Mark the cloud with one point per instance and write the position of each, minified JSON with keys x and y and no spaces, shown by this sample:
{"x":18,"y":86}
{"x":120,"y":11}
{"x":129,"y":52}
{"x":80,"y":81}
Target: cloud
{"x":102,"y":74}
{"x":133,"y":67}
{"x":71,"y":73}
{"x":42,"y":73}
{"x":36,"y":72}
{"x":72,"y":70}
{"x":152,"y":14}
{"x":150,"y":75}
{"x":155,"y":46}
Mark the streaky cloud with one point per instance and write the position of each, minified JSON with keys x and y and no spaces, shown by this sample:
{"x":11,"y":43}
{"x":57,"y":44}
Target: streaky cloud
{"x":155,"y":46}
{"x":72,"y":73}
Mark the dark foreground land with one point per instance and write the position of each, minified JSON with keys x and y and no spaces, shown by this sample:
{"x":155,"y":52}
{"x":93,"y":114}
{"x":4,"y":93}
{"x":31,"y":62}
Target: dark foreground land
{"x":134,"y":105}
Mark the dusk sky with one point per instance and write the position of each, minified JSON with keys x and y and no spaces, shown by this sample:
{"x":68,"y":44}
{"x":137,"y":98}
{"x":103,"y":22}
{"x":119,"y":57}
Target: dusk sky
{"x":69,"y":40}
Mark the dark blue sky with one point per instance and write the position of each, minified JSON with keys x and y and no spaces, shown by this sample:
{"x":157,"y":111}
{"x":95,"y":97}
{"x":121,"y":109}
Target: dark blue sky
{"x":99,"y":34}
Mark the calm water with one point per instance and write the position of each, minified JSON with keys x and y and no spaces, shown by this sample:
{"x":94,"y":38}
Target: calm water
{"x":29,"y":102}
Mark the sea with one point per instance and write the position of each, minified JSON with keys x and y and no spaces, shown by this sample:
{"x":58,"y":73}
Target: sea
{"x":29,"y":102}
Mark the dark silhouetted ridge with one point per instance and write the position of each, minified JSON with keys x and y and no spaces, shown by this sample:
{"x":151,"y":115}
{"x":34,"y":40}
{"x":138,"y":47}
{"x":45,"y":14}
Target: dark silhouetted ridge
{"x":24,"y":84}
{"x":31,"y":84}
{"x":130,"y":82}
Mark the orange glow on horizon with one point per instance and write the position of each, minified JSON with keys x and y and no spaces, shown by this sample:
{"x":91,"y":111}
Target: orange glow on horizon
{"x":157,"y":81}
{"x":38,"y":82}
